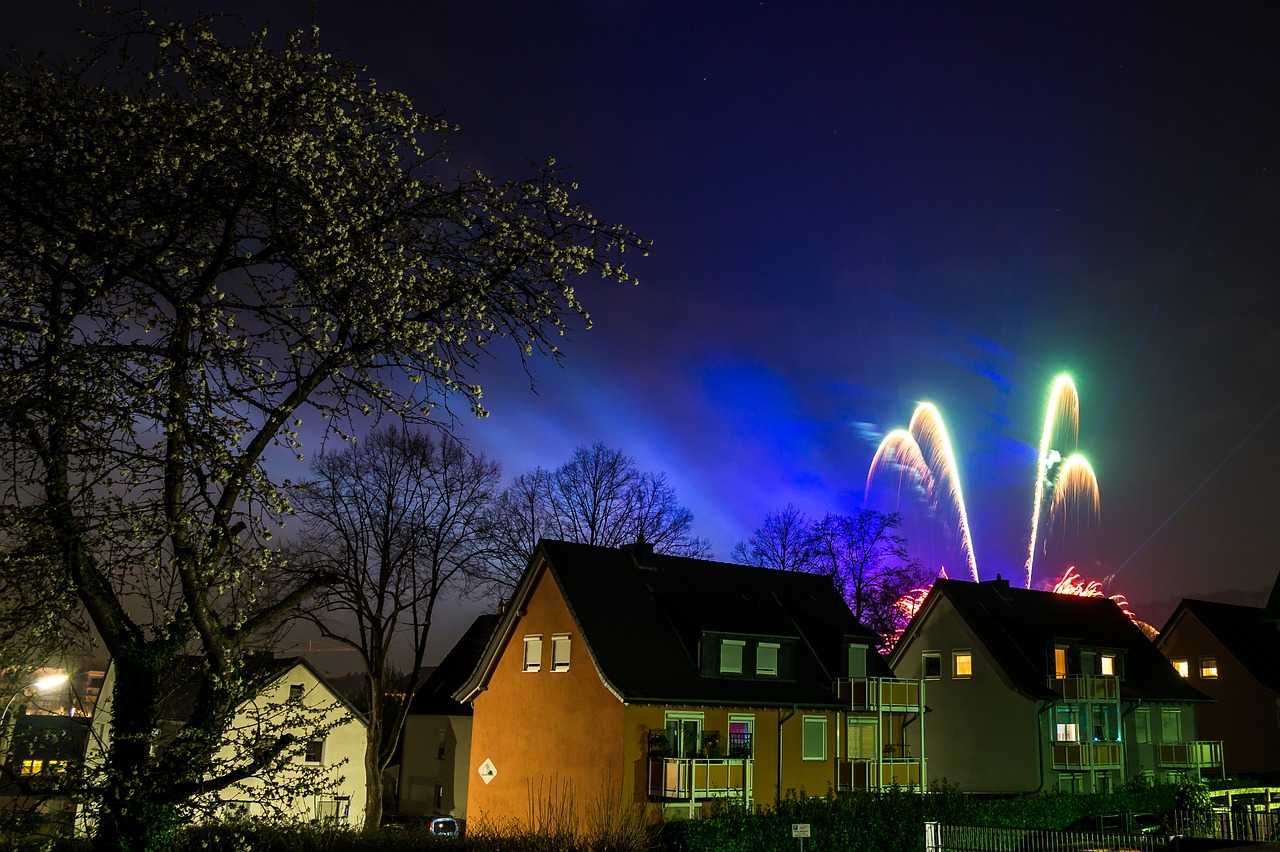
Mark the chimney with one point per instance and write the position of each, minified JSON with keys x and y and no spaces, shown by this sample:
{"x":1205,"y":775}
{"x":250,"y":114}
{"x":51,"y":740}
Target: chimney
{"x":642,"y":554}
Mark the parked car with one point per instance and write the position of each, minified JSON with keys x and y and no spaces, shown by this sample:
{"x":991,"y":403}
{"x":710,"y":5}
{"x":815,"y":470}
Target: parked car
{"x":443,"y":826}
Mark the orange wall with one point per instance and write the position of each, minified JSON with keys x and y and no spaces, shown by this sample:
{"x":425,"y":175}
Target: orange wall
{"x":544,"y":729}
{"x":1245,"y":716}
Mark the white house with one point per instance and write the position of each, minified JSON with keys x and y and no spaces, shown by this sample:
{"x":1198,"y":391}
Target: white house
{"x":323,"y":778}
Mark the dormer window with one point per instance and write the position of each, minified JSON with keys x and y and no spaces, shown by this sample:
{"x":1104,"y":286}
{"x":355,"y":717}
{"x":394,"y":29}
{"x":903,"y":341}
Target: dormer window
{"x":731,"y":656}
{"x":857,"y":661}
{"x":767,"y":659}
{"x":1059,"y":662}
{"x":1107,"y":665}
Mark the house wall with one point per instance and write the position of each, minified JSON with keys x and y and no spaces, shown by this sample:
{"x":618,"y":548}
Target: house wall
{"x":544,"y":731}
{"x":1245,"y":715}
{"x":422,"y":767}
{"x":982,"y":735}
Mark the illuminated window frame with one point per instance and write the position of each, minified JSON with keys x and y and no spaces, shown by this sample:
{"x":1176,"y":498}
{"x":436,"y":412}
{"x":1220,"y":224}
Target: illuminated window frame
{"x":1209,"y":668}
{"x":1060,"y":667}
{"x":1181,"y":666}
{"x":962,"y":664}
{"x":1107,"y":665}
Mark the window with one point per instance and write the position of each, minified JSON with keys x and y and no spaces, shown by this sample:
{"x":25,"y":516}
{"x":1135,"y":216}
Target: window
{"x":740,"y":730}
{"x":440,"y":745}
{"x":533,"y":653}
{"x":931,"y":664}
{"x":862,"y":738}
{"x":813,"y":738}
{"x":1181,"y":665}
{"x":560,"y":652}
{"x":1067,"y":723}
{"x":1208,"y":667}
{"x":684,"y":734}
{"x":439,"y":797}
{"x":1059,"y":662}
{"x":335,"y":809}
{"x":767,"y":658}
{"x":961,"y":664}
{"x":731,"y":656}
{"x":315,"y":751}
{"x":295,"y":691}
{"x":857,"y":661}
{"x":1170,"y":725}
{"x":1142,"y":725}
{"x":1071,"y":782}
{"x":31,"y":767}
{"x":1107,"y":665}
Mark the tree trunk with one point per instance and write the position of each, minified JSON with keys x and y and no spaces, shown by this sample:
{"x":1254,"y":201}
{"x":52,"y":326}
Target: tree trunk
{"x":373,"y":759}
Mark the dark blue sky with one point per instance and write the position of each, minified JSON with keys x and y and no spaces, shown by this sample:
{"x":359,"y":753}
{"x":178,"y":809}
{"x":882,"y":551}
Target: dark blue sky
{"x":858,"y":206}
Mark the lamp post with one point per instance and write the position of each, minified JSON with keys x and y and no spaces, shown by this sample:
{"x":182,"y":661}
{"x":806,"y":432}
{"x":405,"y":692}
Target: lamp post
{"x":40,"y":685}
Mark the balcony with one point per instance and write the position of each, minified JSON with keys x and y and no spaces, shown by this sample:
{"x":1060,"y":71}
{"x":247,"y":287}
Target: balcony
{"x":686,"y":779}
{"x":1201,"y":754}
{"x":860,"y":774}
{"x":1086,"y":755}
{"x":1087,"y":688}
{"x":893,"y":695}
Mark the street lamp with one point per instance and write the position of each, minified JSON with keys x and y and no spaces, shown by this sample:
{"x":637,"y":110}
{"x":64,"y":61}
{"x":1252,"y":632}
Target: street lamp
{"x":44,"y":683}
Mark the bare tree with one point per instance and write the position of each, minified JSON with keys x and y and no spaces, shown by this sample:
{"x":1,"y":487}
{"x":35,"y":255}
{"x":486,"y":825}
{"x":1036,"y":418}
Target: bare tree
{"x":862,"y":554}
{"x":786,"y":540}
{"x":599,"y":496}
{"x":399,"y":520}
{"x":870,"y":565}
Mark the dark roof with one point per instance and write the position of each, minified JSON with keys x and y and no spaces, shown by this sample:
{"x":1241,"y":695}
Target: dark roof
{"x":182,"y":680}
{"x":435,"y":697}
{"x":1019,"y":628}
{"x":1249,"y":633}
{"x":642,"y":616}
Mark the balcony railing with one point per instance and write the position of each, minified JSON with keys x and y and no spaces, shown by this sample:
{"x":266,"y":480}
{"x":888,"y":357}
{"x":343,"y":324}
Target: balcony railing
{"x":867,"y":774}
{"x":699,"y":778}
{"x":1087,"y":687}
{"x":1086,"y":755}
{"x":1200,"y":754}
{"x":882,"y":693}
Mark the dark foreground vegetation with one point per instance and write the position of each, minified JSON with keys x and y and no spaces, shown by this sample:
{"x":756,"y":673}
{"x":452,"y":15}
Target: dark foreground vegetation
{"x":874,"y":822}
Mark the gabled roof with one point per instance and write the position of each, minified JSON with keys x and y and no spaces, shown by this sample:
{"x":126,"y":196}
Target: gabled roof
{"x":1019,"y":628}
{"x":1249,"y":633}
{"x":435,"y":697}
{"x":642,"y":615}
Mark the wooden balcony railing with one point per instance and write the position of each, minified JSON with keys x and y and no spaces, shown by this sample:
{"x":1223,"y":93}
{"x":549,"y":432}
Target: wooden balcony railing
{"x":882,"y":693}
{"x":1086,"y":755}
{"x":1087,"y":687}
{"x":699,"y":778}
{"x":866,"y":774}
{"x":1200,"y":754}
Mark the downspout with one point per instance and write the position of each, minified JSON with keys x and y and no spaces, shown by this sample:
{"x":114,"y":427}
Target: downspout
{"x":777,"y":796}
{"x":1043,"y":739}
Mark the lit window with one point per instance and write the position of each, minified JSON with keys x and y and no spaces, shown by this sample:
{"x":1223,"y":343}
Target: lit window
{"x":862,"y":739}
{"x":31,"y":767}
{"x":731,"y":656}
{"x":740,"y":735}
{"x":1181,"y":665}
{"x":1107,"y":665}
{"x":315,"y":751}
{"x":1066,"y":723}
{"x":814,"y":738}
{"x":931,"y":664}
{"x":533,"y":653}
{"x":1208,"y":667}
{"x":560,"y":652}
{"x":1059,"y":662}
{"x":767,"y":658}
{"x":962,"y":664}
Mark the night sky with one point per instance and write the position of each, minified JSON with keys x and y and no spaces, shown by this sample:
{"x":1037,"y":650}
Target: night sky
{"x":859,"y":206}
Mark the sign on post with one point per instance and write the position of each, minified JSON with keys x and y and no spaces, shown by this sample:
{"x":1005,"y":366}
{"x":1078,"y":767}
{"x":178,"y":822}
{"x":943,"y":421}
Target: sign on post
{"x":800,"y":830}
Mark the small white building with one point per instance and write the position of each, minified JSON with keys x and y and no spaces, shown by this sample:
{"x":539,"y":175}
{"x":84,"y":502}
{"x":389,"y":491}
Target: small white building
{"x":322,"y":777}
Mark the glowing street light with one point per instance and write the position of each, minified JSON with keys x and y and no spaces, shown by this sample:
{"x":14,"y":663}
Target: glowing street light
{"x":42,"y":685}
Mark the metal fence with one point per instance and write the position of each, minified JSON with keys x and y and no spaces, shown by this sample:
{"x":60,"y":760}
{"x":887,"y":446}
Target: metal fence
{"x":964,"y":838}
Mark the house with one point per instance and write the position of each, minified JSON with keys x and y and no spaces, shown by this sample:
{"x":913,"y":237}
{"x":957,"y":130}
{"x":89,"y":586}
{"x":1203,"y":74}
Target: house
{"x":1232,"y":653}
{"x":435,"y":749}
{"x":1033,"y":691}
{"x":321,"y":780}
{"x":621,"y":675}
